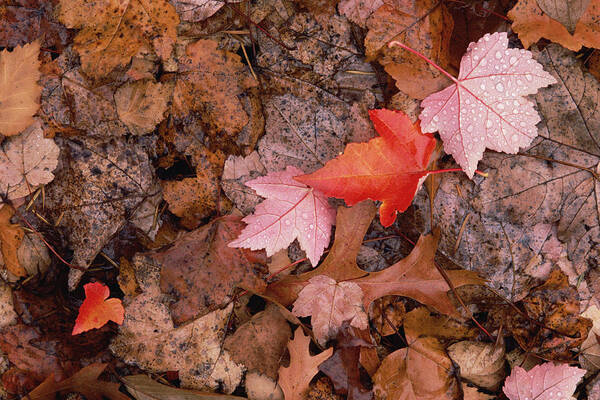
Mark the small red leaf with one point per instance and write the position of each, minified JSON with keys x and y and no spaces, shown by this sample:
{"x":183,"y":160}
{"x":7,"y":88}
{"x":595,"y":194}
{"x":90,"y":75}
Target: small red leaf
{"x":95,"y":311}
{"x":543,"y":382}
{"x":388,"y":168}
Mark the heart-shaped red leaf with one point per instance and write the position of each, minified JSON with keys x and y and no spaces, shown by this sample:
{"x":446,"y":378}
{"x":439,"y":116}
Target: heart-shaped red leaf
{"x":96,"y":310}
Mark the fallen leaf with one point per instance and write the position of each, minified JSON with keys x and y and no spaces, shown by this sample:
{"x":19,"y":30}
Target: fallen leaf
{"x":85,"y":381}
{"x":421,"y":371}
{"x":11,"y":236}
{"x":8,"y":316}
{"x":142,"y":387}
{"x":543,"y":382}
{"x":26,"y":162}
{"x":259,"y":344}
{"x":210,"y":82}
{"x":421,"y":322}
{"x":330,"y":304}
{"x":141,"y":104}
{"x":567,"y":12}
{"x":237,"y":171}
{"x":96,"y":310}
{"x":19,"y":89}
{"x":262,"y":387}
{"x":486,"y":107}
{"x":387,"y":308}
{"x":480,"y":363}
{"x":340,"y":264}
{"x":417,"y":277}
{"x":112,"y":32}
{"x":388,"y":168}
{"x":202,"y":262}
{"x":295,"y":379}
{"x":558,"y":328}
{"x":291,"y":211}
{"x":343,"y":366}
{"x":423,"y":25}
{"x":471,"y":393}
{"x":359,"y":11}
{"x":589,"y":358}
{"x":531,"y":23}
{"x":98,"y":188}
{"x":198,"y":10}
{"x":149,"y":339}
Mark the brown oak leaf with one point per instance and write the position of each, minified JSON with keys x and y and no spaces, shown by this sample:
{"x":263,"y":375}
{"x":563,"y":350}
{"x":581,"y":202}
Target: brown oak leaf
{"x":11,"y":236}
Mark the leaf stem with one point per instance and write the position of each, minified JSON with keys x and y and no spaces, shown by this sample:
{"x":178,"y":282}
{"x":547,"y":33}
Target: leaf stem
{"x":430,"y":62}
{"x":441,"y":171}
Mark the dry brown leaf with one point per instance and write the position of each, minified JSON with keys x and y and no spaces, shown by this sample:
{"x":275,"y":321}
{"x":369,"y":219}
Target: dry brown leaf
{"x":471,"y":393}
{"x":141,"y":104}
{"x":417,"y":277}
{"x":192,"y":199}
{"x":148,"y":337}
{"x":11,"y":236}
{"x":198,"y":10}
{"x":19,"y":89}
{"x":27,"y":161}
{"x":426,"y":26}
{"x":209,"y":82}
{"x":590,"y":348}
{"x":421,"y":322}
{"x":359,"y":11}
{"x":532,"y":24}
{"x":387,"y":308}
{"x":330,"y":304}
{"x":84,"y":381}
{"x":259,"y":344}
{"x":201,"y":262}
{"x":295,"y":379}
{"x":421,"y":371}
{"x":480,"y":363}
{"x":112,"y":31}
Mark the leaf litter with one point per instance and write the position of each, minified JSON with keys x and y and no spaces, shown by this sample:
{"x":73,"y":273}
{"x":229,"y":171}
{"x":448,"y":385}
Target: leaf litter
{"x":148,"y":139}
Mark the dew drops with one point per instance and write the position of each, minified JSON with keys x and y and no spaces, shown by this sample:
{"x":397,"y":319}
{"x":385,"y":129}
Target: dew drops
{"x":288,"y":222}
{"x":529,"y":77}
{"x":482,"y":86}
{"x":311,"y":226}
{"x":512,"y":60}
{"x":515,"y":138}
{"x":515,"y":110}
{"x":499,"y":86}
{"x":498,"y":55}
{"x":500,"y":106}
{"x":488,"y":123}
{"x":470,"y":128}
{"x":467,"y":101}
{"x":516,"y":103}
{"x":519,"y":82}
{"x":475,"y":58}
{"x":436,"y":118}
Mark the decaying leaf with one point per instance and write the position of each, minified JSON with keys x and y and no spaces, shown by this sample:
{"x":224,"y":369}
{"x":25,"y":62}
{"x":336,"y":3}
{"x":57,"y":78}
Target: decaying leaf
{"x":236,"y":172}
{"x":388,"y":168}
{"x":486,"y":107}
{"x":291,"y":210}
{"x":149,"y":339}
{"x":97,"y":190}
{"x":27,"y":161}
{"x":547,"y":381}
{"x":295,"y":379}
{"x":201,"y":262}
{"x":209,"y":82}
{"x":19,"y":89}
{"x":553,"y":326}
{"x":330,"y":304}
{"x":589,"y":357}
{"x":480,"y":363}
{"x":198,"y":10}
{"x":141,"y":104}
{"x":359,"y":11}
{"x":97,"y":309}
{"x":142,"y":387}
{"x":260,"y":343}
{"x":85,"y":381}
{"x":113,"y":31}
{"x":8,"y":316}
{"x":531,"y":23}
{"x":11,"y":236}
{"x":425,"y":26}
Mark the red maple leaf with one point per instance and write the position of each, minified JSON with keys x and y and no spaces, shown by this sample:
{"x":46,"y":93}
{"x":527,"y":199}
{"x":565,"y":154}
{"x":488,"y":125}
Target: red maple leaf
{"x":95,"y":311}
{"x":486,"y":107}
{"x":388,"y":168}
{"x":543,"y":382}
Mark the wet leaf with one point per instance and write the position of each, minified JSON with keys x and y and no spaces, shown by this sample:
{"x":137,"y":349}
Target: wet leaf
{"x":486,"y":107}
{"x":19,"y":89}
{"x":11,"y":236}
{"x":544,"y":382}
{"x":97,"y":309}
{"x":291,"y":211}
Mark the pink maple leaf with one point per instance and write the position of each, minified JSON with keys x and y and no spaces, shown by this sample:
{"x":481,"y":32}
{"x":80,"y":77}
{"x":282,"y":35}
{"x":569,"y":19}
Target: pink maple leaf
{"x":486,"y":107}
{"x":543,"y":382}
{"x":291,"y":210}
{"x":330,"y":304}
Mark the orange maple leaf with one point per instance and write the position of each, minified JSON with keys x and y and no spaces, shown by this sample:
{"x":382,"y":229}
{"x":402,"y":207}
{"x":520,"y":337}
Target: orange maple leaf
{"x":96,"y":311}
{"x":388,"y":168}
